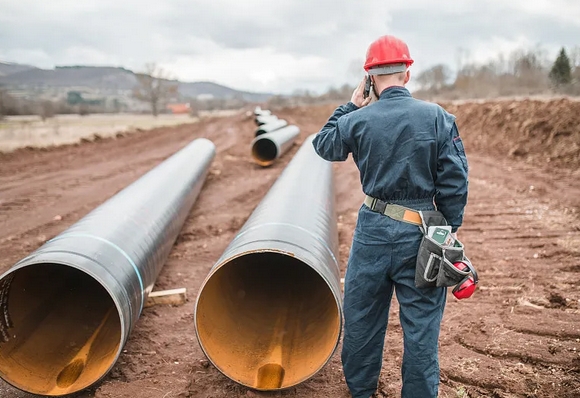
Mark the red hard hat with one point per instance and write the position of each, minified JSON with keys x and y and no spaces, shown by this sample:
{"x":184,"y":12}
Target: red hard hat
{"x":387,"y":50}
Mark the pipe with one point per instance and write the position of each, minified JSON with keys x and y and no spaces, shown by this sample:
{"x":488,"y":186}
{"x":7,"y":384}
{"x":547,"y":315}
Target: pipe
{"x":68,"y":308}
{"x":265,"y":119}
{"x":270,"y":146}
{"x":268,"y":315}
{"x":272,"y":126}
{"x":259,"y":111}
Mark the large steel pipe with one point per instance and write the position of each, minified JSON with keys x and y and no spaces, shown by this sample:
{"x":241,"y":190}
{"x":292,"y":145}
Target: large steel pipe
{"x":268,"y":315}
{"x":272,"y":126}
{"x":266,"y":148}
{"x":68,"y":308}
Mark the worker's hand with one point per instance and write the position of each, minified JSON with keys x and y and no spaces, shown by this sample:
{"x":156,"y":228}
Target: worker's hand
{"x":357,"y":95}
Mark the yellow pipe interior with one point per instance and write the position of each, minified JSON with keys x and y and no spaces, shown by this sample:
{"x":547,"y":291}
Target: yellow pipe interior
{"x":267,"y":320}
{"x":61,"y":330}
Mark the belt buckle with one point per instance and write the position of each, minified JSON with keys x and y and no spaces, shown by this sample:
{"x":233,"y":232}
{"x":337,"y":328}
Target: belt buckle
{"x":380,"y":206}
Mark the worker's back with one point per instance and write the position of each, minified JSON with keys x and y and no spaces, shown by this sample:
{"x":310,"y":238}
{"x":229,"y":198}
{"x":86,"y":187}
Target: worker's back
{"x":395,"y":144}
{"x":405,"y":150}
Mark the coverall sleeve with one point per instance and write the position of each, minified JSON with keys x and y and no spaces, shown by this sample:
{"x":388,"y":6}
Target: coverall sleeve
{"x":332,"y":143}
{"x":451,"y":182}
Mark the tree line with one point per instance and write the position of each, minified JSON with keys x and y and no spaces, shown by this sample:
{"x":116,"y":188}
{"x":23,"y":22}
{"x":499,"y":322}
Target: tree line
{"x":522,"y":72}
{"x":519,"y":73}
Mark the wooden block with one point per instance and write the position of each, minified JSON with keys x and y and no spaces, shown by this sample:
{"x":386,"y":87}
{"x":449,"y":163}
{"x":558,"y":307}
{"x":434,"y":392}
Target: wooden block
{"x":167,"y":297}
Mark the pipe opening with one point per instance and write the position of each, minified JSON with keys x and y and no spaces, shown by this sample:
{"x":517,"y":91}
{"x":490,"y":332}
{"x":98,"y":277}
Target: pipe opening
{"x":60,"y":330}
{"x":267,"y":320}
{"x":264,"y":151}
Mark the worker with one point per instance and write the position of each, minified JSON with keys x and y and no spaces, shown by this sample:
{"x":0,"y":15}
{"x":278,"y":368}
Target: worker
{"x":410,"y":158}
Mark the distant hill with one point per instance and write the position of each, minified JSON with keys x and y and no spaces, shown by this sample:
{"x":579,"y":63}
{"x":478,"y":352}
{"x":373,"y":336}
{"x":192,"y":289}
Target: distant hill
{"x":95,"y":77}
{"x":8,"y":68}
{"x":107,"y":78}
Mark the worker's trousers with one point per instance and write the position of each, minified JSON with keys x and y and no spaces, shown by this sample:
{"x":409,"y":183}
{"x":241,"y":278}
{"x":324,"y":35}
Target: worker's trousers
{"x":382,"y":260}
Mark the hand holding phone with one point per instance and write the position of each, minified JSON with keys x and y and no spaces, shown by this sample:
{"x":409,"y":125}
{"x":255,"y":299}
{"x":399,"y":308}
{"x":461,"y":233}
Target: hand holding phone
{"x":358,"y":96}
{"x":368,"y":84}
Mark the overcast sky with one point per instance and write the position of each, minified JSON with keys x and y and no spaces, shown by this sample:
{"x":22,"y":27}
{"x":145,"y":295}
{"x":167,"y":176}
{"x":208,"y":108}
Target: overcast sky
{"x":275,"y":46}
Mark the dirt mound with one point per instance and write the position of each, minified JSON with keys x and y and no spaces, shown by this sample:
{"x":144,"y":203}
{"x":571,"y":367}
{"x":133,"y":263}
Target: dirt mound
{"x":540,"y":132}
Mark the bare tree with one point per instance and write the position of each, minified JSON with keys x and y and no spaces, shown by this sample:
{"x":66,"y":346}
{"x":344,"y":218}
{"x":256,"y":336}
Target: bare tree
{"x":434,"y":78}
{"x":574,"y":57}
{"x":46,"y":110}
{"x":462,"y":56}
{"x":154,"y":87}
{"x":575,"y":64}
{"x":529,"y":69}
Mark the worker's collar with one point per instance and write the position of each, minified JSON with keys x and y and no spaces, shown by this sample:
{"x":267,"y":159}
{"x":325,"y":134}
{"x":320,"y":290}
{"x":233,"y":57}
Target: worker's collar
{"x":394,"y":91}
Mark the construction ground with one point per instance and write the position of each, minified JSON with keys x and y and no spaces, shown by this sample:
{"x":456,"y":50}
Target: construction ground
{"x":518,"y":336}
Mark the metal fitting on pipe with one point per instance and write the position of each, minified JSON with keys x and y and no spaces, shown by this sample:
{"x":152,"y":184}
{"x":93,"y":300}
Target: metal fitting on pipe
{"x":68,"y":308}
{"x":272,"y":126}
{"x":270,"y":146}
{"x":268,"y":315}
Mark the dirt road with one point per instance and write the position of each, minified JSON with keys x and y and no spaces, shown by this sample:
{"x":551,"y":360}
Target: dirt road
{"x":519,"y":336}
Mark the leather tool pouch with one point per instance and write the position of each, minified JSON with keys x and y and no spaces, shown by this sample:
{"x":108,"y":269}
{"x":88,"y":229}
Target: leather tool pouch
{"x":435,"y":261}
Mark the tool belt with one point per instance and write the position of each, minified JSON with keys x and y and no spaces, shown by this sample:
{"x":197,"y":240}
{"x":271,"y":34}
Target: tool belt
{"x":396,"y":212}
{"x":434,"y":266}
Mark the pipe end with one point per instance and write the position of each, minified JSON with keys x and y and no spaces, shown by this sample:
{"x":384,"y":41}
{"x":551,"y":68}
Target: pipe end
{"x":60,"y":331}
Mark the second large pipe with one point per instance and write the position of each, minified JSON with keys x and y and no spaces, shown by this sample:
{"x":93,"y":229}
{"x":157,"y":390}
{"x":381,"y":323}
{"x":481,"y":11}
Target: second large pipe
{"x":268,"y":315}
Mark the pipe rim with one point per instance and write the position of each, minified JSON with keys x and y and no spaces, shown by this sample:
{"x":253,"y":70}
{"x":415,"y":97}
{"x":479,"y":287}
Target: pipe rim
{"x":274,"y":251}
{"x":261,"y":161}
{"x":31,"y":261}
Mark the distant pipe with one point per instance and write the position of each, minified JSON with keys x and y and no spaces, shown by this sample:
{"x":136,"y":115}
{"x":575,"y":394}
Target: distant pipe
{"x":265,"y":119}
{"x":68,"y":308}
{"x":267,"y":128}
{"x":270,"y":146}
{"x":268,"y":315}
{"x":260,"y":111}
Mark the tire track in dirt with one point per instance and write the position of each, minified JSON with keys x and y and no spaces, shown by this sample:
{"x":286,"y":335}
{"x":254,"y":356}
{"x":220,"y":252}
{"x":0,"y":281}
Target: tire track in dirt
{"x":512,"y":239}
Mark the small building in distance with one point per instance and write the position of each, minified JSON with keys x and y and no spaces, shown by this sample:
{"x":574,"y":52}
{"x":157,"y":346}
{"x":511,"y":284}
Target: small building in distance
{"x":179,"y":108}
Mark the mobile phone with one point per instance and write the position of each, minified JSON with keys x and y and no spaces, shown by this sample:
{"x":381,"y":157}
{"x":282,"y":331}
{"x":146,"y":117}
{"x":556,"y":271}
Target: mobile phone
{"x":441,"y":235}
{"x":368,"y":84}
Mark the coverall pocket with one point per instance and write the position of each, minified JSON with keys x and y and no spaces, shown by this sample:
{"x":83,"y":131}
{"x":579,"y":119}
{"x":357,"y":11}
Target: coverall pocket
{"x":460,"y":148}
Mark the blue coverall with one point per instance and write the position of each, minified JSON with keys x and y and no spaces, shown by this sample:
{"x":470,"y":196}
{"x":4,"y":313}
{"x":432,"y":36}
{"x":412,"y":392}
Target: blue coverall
{"x":408,"y":152}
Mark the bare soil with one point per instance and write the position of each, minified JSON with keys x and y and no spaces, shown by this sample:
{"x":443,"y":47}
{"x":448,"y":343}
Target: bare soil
{"x":519,"y":336}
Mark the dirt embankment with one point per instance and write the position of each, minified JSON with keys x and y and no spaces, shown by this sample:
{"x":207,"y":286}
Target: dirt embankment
{"x":542,"y":132}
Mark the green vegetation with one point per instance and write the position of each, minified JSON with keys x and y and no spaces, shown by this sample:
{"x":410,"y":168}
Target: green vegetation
{"x":561,"y":72}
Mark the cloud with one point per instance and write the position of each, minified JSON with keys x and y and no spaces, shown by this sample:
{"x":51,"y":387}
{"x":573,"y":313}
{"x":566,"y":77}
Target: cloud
{"x":274,"y":46}
{"x":483,"y":30}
